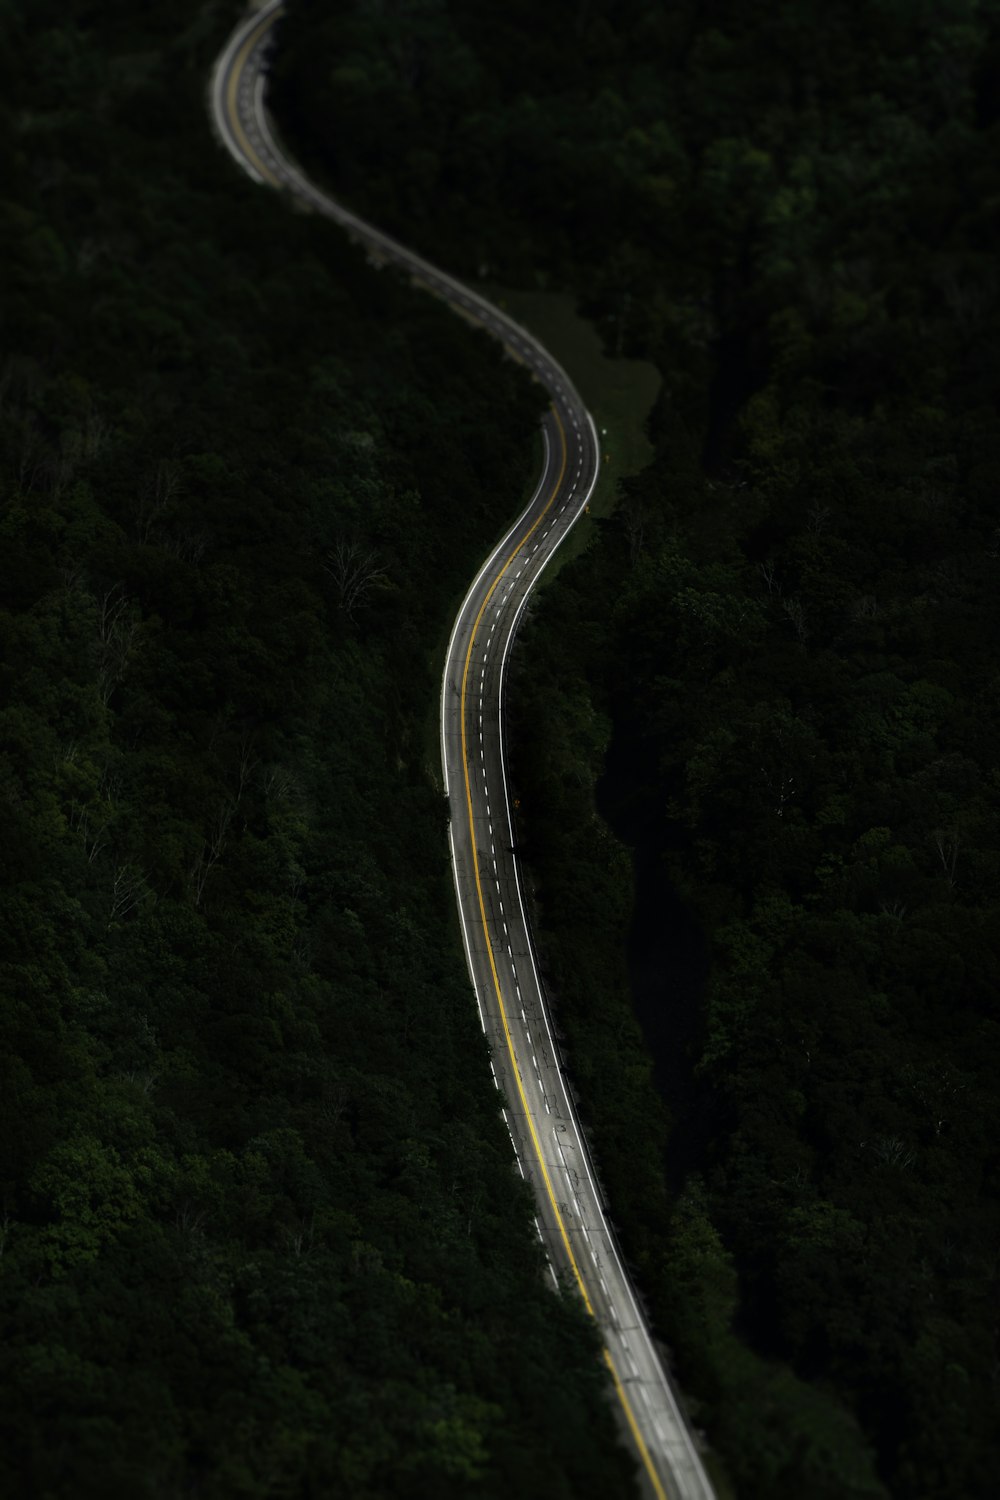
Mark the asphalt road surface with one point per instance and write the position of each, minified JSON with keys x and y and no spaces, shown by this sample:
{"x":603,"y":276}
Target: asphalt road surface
{"x":551,"y":1150}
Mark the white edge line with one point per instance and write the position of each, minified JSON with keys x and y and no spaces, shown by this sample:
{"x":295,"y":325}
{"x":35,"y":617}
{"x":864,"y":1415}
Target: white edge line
{"x":549,"y":373}
{"x":515,"y":863}
{"x":470,"y":593}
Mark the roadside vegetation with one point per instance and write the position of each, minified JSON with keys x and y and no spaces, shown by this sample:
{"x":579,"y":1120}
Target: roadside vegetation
{"x":781,"y":652}
{"x":260,"y":1231}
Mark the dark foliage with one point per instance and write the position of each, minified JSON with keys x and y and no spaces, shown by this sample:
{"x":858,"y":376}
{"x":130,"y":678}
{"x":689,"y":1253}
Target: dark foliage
{"x":792,"y":643}
{"x":260,"y":1232}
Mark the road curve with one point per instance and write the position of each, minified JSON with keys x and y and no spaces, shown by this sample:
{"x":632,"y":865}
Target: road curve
{"x":550,"y":1147}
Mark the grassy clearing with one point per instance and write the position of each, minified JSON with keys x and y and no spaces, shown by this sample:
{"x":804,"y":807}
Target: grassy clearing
{"x":619,"y":392}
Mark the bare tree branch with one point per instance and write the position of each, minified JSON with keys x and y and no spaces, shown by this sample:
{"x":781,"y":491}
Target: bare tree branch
{"x":129,"y":888}
{"x":947,"y":844}
{"x":355,"y":573}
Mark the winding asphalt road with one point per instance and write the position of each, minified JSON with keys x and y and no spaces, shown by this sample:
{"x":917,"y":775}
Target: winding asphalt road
{"x":550,"y":1147}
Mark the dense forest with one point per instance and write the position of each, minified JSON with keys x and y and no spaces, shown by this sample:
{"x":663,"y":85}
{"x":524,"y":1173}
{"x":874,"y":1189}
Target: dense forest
{"x":779,"y":660}
{"x":261,"y":1233}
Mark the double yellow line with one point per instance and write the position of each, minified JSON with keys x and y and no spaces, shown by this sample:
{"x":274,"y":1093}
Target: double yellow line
{"x":232,"y":106}
{"x":633,"y":1425}
{"x":232,"y":100}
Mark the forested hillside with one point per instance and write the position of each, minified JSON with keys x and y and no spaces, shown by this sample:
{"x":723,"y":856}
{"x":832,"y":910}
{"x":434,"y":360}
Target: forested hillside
{"x":260,"y":1231}
{"x":788,"y":637}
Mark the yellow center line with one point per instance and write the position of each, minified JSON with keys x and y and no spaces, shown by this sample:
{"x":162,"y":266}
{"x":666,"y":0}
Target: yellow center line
{"x":619,"y":1388}
{"x":232,"y":96}
{"x":232,"y":106}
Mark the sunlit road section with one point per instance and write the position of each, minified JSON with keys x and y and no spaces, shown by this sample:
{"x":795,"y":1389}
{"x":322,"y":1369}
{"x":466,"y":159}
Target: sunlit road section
{"x":549,"y":1144}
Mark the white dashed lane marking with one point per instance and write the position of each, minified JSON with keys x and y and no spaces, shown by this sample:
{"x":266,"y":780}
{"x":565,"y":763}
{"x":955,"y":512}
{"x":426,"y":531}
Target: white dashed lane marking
{"x":553,"y":530}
